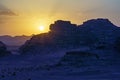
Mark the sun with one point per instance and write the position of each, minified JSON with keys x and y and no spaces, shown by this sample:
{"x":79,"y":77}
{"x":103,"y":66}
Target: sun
{"x":41,"y":28}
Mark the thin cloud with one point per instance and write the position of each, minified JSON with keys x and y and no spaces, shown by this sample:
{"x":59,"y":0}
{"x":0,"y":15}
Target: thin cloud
{"x":4,"y":11}
{"x":9,"y":13}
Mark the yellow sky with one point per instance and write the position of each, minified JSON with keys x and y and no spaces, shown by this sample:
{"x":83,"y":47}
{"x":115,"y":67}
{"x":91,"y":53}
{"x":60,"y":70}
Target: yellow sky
{"x":23,"y":17}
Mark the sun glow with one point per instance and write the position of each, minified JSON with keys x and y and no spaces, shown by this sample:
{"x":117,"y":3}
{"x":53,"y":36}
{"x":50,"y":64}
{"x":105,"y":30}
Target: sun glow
{"x":41,"y":28}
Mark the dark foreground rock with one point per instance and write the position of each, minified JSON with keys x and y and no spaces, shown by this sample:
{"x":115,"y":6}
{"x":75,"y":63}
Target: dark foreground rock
{"x":3,"y":50}
{"x":78,"y":58}
{"x":86,"y":58}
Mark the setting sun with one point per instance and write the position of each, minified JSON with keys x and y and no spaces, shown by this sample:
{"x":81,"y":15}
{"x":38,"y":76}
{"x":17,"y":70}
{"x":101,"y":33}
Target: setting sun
{"x":41,"y":28}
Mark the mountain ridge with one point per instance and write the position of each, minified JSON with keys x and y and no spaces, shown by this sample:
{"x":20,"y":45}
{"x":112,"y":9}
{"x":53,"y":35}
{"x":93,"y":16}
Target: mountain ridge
{"x":14,"y":41}
{"x":64,"y":34}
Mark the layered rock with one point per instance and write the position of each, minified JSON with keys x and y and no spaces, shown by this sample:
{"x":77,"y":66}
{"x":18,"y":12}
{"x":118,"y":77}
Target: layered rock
{"x":78,"y":58}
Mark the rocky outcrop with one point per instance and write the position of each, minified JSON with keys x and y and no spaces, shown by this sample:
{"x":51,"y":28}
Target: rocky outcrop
{"x":3,"y":50}
{"x":65,"y":35}
{"x":78,"y":58}
{"x":62,"y":35}
{"x":103,"y":30}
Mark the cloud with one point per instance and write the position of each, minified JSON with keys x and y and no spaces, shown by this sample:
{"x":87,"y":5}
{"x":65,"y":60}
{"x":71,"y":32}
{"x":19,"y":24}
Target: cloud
{"x":4,"y":11}
{"x":9,"y":13}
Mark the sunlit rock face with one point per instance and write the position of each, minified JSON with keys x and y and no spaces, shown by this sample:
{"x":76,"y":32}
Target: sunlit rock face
{"x":3,"y":49}
{"x":65,"y":35}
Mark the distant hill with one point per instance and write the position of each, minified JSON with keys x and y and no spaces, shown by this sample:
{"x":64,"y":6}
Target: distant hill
{"x":99,"y":33}
{"x":14,"y":41}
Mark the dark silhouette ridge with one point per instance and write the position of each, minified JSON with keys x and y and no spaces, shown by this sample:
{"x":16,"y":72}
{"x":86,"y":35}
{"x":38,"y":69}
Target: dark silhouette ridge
{"x":103,"y":30}
{"x":3,"y":50}
{"x":65,"y":35}
{"x":99,"y":21}
{"x":62,"y":26}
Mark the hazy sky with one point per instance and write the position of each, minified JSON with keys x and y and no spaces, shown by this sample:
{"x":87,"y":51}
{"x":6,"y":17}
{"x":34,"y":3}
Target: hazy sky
{"x":18,"y":17}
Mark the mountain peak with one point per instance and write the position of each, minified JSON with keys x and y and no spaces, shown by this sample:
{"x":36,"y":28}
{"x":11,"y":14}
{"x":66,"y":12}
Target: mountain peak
{"x":98,"y":22}
{"x":60,"y":26}
{"x":65,"y":35}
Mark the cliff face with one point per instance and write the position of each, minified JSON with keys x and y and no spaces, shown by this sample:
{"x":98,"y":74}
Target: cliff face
{"x":65,"y":35}
{"x":3,"y":49}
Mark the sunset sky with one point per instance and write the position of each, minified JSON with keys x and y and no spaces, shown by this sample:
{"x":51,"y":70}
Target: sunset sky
{"x":24,"y":17}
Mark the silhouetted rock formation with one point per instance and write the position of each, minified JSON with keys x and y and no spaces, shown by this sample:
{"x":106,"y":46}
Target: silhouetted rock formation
{"x":103,"y":30}
{"x":63,"y":27}
{"x":64,"y":35}
{"x":3,"y":50}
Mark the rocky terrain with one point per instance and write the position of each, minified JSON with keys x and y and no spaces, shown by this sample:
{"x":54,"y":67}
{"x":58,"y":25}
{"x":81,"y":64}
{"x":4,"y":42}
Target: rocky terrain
{"x":90,"y":51}
{"x":3,"y":50}
{"x":93,"y":33}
